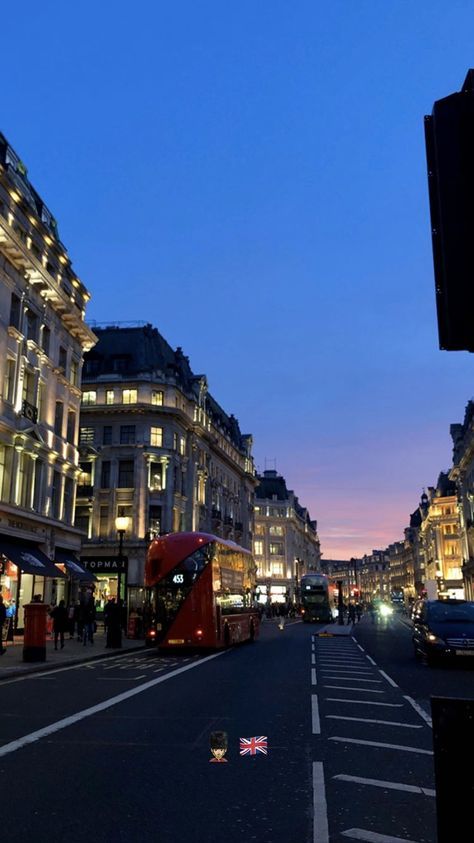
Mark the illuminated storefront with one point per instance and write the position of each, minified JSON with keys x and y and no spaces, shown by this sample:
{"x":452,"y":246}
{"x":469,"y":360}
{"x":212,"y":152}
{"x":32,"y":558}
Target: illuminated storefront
{"x":27,"y":574}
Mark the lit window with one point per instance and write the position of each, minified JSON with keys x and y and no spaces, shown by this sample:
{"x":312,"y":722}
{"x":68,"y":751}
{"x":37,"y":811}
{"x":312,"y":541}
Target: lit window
{"x":109,"y":396}
{"x":89,"y":397}
{"x":276,"y":531}
{"x":129,"y":396}
{"x":277,"y":569}
{"x":156,"y":437}
{"x":157,"y":398}
{"x":276,"y":549}
{"x":258,"y":548}
{"x":86,"y":436}
{"x":182,"y":446}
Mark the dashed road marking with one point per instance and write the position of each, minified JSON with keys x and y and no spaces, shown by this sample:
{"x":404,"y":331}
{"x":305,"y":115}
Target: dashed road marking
{"x":381,"y":745}
{"x":388,"y":678}
{"x":320,"y":808}
{"x":408,"y":788}
{"x":313,"y":676}
{"x":316,"y":723}
{"x":373,"y":837}
{"x":363,"y":690}
{"x":364,"y":702}
{"x":371,"y":720}
{"x":420,"y":711}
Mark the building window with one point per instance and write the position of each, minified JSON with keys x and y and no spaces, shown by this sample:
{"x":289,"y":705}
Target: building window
{"x":129,"y":396}
{"x":277,"y":569}
{"x":62,"y":359}
{"x":154,"y":520}
{"x":182,"y":445}
{"x":86,"y":436}
{"x":68,"y":499}
{"x":276,"y":549}
{"x":105,"y":475}
{"x":91,"y":366}
{"x":259,"y":530}
{"x":258,"y":548}
{"x":276,"y":531}
{"x":9,"y":380}
{"x":71,"y":427}
{"x":155,"y":479}
{"x":89,"y":397}
{"x":156,"y":437}
{"x":56,"y":496}
{"x":107,"y":434}
{"x":74,"y":372}
{"x":127,"y":434}
{"x":157,"y":398}
{"x":126,"y":474}
{"x":38,"y":494}
{"x":175,"y":441}
{"x":109,"y":396}
{"x":103,"y":522}
{"x":32,"y":325}
{"x":28,"y":393}
{"x":25,"y":471}
{"x":127,"y":511}
{"x":6,"y":462}
{"x":15,"y":312}
{"x":58,"y":418}
{"x":82,"y":519}
{"x":46,"y":339}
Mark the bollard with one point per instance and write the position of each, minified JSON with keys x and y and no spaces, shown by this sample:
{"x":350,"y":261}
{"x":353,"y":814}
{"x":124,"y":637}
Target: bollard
{"x":34,"y":643}
{"x":453,"y":739}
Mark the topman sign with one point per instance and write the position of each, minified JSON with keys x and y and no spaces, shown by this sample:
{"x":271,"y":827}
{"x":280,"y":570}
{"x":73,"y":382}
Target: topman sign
{"x":105,"y":564}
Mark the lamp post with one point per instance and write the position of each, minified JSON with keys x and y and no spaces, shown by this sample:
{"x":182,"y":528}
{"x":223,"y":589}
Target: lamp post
{"x":297,"y":599}
{"x":121,"y":525}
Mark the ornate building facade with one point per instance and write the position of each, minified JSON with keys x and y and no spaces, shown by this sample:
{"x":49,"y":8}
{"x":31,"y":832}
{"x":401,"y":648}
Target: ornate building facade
{"x":157,"y":448}
{"x":462,"y":474}
{"x":440,"y":535}
{"x":286,"y":544}
{"x":42,"y":340}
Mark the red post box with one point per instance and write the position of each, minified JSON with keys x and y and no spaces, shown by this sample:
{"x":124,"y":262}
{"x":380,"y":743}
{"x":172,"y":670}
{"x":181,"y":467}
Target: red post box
{"x":34,"y":644}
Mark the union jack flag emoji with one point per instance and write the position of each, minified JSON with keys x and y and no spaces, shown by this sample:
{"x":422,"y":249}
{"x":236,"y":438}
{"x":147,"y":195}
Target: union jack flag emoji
{"x":251,"y":746}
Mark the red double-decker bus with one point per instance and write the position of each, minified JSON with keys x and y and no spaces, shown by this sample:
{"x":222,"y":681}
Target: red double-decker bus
{"x":202,"y":592}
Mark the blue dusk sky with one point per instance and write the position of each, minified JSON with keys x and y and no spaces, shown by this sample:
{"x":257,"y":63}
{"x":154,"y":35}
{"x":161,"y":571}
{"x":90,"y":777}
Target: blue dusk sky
{"x":250,"y":177}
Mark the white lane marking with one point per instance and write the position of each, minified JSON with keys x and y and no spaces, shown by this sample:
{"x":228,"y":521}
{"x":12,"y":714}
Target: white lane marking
{"x":382,"y":745}
{"x":373,"y":837}
{"x":313,"y":677}
{"x":340,"y":661}
{"x":361,"y":690}
{"x":361,"y":648}
{"x":364,"y":702}
{"x":95,"y":709}
{"x":426,"y":717}
{"x":354,"y":679}
{"x":370,"y":660}
{"x":315,"y":715}
{"x":120,"y":678}
{"x":320,"y":809}
{"x":313,"y":659}
{"x":158,"y":669}
{"x":371,"y":720}
{"x":409,"y":788}
{"x":388,"y":678}
{"x":347,"y":670}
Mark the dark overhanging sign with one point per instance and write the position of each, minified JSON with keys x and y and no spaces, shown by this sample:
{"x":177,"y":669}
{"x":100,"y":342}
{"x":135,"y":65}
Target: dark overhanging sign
{"x":105,"y":564}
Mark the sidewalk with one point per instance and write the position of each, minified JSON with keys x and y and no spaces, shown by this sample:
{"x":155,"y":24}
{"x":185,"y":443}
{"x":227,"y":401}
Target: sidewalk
{"x":74,"y":652}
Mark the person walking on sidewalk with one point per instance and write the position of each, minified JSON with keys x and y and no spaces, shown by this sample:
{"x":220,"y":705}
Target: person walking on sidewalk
{"x":351,"y":614}
{"x":88,"y":620}
{"x":3,"y":617}
{"x":60,"y":623}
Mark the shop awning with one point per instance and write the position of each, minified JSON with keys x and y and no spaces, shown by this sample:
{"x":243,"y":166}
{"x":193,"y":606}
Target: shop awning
{"x":73,"y":567}
{"x":30,"y":559}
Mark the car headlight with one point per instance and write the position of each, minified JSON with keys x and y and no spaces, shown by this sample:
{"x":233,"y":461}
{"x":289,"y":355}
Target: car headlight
{"x":433,"y":639}
{"x":385,"y":611}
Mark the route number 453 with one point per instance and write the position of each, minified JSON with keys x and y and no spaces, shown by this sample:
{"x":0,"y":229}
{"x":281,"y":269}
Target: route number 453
{"x":178,"y":578}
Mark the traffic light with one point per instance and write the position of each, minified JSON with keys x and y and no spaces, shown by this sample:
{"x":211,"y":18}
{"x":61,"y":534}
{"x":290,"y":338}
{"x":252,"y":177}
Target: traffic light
{"x":449,"y":135}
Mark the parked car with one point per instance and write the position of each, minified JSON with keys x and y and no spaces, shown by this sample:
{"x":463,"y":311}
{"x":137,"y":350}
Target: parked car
{"x":443,"y":629}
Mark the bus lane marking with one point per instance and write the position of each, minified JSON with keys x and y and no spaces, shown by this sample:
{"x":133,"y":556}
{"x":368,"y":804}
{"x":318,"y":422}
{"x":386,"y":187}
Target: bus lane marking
{"x":354,"y":679}
{"x":32,"y":737}
{"x":313,"y":677}
{"x":360,"y":690}
{"x":408,"y":788}
{"x":320,"y":808}
{"x":313,"y":659}
{"x":363,"y":702}
{"x":371,"y":660}
{"x":382,"y":745}
{"x":388,"y":678}
{"x":419,"y":710}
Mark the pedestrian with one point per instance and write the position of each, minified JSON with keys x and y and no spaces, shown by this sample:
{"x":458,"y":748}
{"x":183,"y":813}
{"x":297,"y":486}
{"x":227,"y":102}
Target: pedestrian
{"x":71,"y":621}
{"x":60,"y":623}
{"x":3,"y":617}
{"x":88,"y":620}
{"x":78,"y":622}
{"x":351,"y":614}
{"x":358,"y":609}
{"x":372,"y":611}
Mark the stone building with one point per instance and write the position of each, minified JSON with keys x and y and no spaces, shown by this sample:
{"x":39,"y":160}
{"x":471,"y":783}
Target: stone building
{"x":374,"y":576}
{"x":286,"y":544}
{"x":157,"y":448}
{"x":42,"y":340}
{"x":462,"y":474}
{"x":440,"y":535}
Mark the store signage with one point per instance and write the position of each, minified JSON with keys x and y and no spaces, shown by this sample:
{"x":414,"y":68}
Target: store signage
{"x":105,"y":564}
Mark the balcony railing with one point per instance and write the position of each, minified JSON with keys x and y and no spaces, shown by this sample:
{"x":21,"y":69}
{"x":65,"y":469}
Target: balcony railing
{"x":29,"y":411}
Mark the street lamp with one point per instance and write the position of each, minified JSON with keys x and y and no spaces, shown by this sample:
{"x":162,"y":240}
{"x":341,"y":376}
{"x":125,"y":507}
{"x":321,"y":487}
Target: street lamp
{"x":121,"y":525}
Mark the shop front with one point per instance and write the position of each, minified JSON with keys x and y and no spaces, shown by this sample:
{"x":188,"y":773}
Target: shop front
{"x":78,"y":577}
{"x":110,"y":574}
{"x":27,"y":574}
